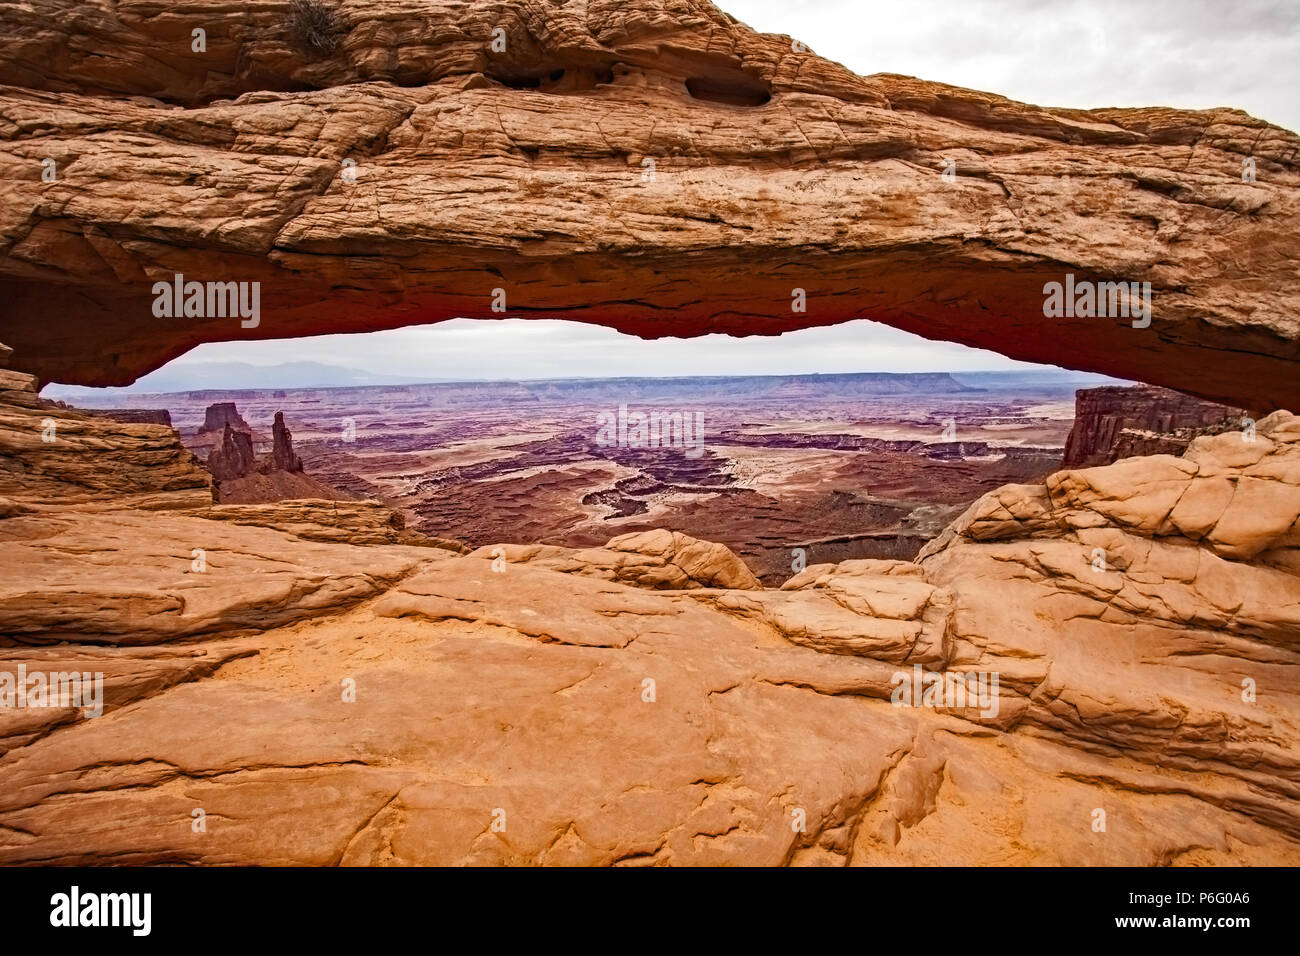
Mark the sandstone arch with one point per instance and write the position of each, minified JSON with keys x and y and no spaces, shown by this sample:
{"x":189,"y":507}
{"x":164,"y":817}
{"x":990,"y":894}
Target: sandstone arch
{"x":523,"y":170}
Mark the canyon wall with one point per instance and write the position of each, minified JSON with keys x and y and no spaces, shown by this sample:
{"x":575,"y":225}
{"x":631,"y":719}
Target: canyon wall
{"x":1118,"y":421}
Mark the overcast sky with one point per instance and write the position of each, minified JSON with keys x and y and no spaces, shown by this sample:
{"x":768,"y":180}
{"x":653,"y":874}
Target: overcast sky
{"x":1195,"y":54}
{"x":1079,"y":53}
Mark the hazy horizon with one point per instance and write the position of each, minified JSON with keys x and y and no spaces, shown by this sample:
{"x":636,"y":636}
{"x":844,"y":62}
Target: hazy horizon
{"x":531,"y":350}
{"x":333,"y":378}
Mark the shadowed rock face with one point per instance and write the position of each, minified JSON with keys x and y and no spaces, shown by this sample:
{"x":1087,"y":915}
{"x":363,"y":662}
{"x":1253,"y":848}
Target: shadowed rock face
{"x":137,"y":416}
{"x":283,"y":457}
{"x":233,"y":458}
{"x":1114,"y":422}
{"x":649,"y":165}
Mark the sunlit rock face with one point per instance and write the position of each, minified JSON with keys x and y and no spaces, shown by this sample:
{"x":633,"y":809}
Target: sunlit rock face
{"x":1099,"y":669}
{"x":649,"y":165}
{"x":1095,"y":670}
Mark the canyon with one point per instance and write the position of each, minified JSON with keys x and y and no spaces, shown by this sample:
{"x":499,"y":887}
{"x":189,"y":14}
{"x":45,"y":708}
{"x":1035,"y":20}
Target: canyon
{"x":1124,"y":422}
{"x":449,"y":664}
{"x":319,"y":684}
{"x":808,"y":468}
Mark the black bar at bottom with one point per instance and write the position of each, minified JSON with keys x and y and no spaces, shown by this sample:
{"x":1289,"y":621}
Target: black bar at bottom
{"x":902,"y":906}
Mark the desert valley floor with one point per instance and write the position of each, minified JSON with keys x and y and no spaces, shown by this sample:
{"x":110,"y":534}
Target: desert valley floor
{"x":839,"y":466}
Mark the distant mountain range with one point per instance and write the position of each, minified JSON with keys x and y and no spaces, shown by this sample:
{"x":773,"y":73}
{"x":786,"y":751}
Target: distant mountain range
{"x":237,"y":376}
{"x":222,"y":380}
{"x":1029,"y":378}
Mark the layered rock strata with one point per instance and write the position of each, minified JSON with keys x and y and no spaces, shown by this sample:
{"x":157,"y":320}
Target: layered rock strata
{"x":1100,"y":670}
{"x":1114,"y":422}
{"x":649,"y":165}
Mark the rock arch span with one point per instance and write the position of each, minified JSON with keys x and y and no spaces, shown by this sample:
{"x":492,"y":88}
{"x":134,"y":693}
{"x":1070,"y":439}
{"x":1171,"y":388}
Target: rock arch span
{"x":649,"y":165}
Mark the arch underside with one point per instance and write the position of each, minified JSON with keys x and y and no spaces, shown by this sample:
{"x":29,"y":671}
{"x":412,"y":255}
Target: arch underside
{"x":619,"y":170}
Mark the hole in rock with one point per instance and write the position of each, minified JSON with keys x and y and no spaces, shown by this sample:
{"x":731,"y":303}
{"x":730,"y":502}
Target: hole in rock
{"x":518,"y":82}
{"x":559,"y":79}
{"x":410,"y":80}
{"x":528,"y":431}
{"x":734,"y":89}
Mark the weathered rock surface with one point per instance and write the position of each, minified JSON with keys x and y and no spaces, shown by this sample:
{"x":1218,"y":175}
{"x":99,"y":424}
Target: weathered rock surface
{"x":1125,"y":421}
{"x":54,"y":455}
{"x":241,"y":476}
{"x":650,"y":165}
{"x":219,"y":416}
{"x":377,"y":703}
{"x":233,"y":458}
{"x":130,"y":416}
{"x":1171,"y":601}
{"x":329,"y":691}
{"x":141,"y":578}
{"x":666,"y":560}
{"x":283,"y":457}
{"x":344,"y":522}
{"x":136,"y":416}
{"x":272,"y":485}
{"x":884,"y":610}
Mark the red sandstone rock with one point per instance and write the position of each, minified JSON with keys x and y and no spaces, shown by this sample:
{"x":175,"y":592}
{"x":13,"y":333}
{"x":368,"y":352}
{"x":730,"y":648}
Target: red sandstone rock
{"x":662,"y":560}
{"x":216,"y":418}
{"x":283,"y":457}
{"x":244,"y":478}
{"x":619,"y":713}
{"x":140,"y":416}
{"x":233,"y":458}
{"x":329,"y":520}
{"x":221,"y":415}
{"x":1114,"y":422}
{"x":527,"y":171}
{"x":52,"y":456}
{"x":611,"y":708}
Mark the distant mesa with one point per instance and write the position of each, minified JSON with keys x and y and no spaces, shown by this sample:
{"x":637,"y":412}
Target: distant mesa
{"x":218,"y":417}
{"x":127,"y":416}
{"x":134,"y":416}
{"x":1115,"y":422}
{"x":222,"y":415}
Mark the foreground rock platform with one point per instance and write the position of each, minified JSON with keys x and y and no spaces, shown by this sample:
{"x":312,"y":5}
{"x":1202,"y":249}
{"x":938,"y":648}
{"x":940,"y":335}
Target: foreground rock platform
{"x":650,"y":165}
{"x":353,"y":699}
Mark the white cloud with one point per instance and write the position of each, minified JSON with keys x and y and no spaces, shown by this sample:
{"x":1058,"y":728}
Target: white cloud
{"x":1194,"y":54}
